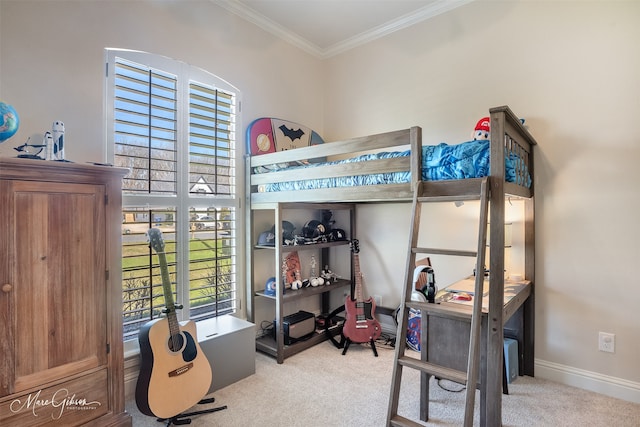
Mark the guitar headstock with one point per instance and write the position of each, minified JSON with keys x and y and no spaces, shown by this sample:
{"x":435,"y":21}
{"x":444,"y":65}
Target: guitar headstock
{"x":155,"y":239}
{"x":355,"y":246}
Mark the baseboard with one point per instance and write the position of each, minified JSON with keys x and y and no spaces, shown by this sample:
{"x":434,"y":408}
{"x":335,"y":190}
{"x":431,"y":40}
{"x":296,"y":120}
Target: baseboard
{"x":587,"y":380}
{"x":131,"y":370}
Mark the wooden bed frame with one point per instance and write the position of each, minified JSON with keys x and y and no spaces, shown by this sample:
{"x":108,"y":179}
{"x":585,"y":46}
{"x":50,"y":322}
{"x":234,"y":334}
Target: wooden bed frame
{"x":508,"y":135}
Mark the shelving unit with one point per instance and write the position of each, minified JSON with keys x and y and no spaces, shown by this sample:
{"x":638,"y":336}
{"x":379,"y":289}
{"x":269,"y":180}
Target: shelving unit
{"x":284,"y":302}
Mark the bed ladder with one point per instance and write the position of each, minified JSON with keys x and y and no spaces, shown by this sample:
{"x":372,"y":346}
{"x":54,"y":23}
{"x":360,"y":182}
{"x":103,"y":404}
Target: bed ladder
{"x":479,"y":190}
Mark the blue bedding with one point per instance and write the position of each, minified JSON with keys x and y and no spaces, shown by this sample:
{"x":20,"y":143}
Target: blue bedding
{"x":439,"y":162}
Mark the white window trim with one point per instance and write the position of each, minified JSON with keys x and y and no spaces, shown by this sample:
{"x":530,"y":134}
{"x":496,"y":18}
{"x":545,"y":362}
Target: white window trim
{"x":183,"y":200}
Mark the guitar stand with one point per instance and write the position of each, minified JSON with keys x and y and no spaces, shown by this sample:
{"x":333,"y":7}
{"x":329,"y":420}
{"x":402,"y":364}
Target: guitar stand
{"x":183,"y":419}
{"x":347,"y":343}
{"x":344,"y":341}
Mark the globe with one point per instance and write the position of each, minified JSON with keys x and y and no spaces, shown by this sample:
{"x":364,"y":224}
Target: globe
{"x":9,"y":121}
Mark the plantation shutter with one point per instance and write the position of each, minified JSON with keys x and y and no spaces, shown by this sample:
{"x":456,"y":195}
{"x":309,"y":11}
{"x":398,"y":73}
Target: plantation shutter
{"x":210,"y":148}
{"x":145,"y":128}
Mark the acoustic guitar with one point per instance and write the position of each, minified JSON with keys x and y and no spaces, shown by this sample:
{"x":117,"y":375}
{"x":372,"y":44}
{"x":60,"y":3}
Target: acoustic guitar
{"x":174,"y":373}
{"x":360,"y":325}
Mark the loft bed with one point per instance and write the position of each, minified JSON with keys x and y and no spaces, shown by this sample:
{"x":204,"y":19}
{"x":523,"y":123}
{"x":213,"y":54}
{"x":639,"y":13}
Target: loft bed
{"x":288,"y":163}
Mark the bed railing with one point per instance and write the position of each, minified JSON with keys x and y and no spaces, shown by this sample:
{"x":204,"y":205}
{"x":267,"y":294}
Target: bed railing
{"x":389,"y":141}
{"x":511,"y":140}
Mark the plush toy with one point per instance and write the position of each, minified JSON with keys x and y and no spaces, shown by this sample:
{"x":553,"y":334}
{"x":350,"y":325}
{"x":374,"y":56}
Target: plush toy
{"x":482,"y":130}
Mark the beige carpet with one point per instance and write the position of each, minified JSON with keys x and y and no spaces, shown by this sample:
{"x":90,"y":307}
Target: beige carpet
{"x":320,"y":387}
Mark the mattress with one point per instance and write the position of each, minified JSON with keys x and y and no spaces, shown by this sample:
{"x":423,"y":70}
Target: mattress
{"x":439,"y":162}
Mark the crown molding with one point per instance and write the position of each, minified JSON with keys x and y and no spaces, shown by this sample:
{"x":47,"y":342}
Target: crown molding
{"x":268,"y":25}
{"x":434,"y":9}
{"x":405,"y":21}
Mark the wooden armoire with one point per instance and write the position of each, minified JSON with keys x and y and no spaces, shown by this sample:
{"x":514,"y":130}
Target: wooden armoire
{"x":61,"y":351}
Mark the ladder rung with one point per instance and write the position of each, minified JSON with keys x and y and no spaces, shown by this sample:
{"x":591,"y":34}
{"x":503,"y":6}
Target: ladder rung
{"x":435,"y":251}
{"x":438,"y":371}
{"x":400,"y":421}
{"x":457,"y":311}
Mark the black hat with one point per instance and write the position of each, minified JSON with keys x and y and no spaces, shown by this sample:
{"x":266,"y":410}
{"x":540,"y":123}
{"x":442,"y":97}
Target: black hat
{"x":287,"y":231}
{"x":313,"y":229}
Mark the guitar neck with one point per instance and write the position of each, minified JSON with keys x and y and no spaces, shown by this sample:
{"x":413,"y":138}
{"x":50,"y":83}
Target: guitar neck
{"x":358,"y":277}
{"x":168,"y":294}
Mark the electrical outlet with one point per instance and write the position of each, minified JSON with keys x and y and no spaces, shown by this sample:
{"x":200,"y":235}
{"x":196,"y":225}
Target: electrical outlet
{"x":378,"y":300}
{"x":607,"y":342}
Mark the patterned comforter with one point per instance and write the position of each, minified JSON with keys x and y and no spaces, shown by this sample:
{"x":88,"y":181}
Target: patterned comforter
{"x":439,"y":162}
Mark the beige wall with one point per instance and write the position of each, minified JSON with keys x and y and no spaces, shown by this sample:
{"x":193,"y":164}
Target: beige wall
{"x":52,"y":65}
{"x":569,"y":68}
{"x":52,"y":62}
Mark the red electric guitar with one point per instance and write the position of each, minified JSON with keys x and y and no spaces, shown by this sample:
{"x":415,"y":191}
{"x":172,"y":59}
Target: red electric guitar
{"x":360,"y":325}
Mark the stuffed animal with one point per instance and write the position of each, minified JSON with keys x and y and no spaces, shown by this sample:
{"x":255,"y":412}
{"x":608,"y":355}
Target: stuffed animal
{"x":482,"y":130}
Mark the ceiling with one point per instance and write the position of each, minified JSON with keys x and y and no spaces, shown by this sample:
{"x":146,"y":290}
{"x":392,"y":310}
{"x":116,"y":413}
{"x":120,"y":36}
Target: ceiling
{"x":327,"y":27}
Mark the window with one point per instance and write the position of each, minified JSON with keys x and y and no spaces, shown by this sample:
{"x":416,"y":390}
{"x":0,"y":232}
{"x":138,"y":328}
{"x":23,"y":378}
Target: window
{"x":174,"y":127}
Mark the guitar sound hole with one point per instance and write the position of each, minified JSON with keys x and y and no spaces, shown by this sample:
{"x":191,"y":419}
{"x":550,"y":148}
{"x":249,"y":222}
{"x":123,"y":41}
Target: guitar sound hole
{"x":176,"y":343}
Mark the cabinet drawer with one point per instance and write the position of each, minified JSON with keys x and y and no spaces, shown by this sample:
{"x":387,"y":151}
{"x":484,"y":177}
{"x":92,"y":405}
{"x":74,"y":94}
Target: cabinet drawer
{"x":68,"y":403}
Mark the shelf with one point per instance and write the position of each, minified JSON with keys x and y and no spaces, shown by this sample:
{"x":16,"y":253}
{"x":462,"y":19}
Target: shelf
{"x":267,"y":344}
{"x":291,"y":295}
{"x":271,"y":258}
{"x":291,"y":248}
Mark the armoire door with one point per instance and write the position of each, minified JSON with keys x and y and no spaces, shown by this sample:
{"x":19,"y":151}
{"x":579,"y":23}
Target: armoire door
{"x":54,"y":289}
